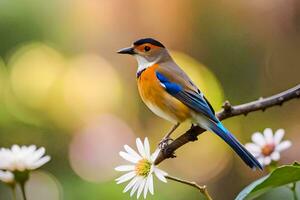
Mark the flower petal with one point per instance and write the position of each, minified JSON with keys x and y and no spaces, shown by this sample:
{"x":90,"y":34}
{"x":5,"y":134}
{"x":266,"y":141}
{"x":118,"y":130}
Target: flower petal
{"x":160,"y":175}
{"x":253,"y":148}
{"x":267,"y":160}
{"x":147,"y":147}
{"x":136,"y":185}
{"x":140,"y":147}
{"x":125,"y":168}
{"x":268,"y":133}
{"x":161,"y":171}
{"x":125,"y":177}
{"x":278,"y":136}
{"x":130,"y":184}
{"x":275,"y":156}
{"x":6,"y":176}
{"x":141,"y":187}
{"x":15,"y":148}
{"x":32,"y":148}
{"x":150,"y":184}
{"x":39,"y":162}
{"x":132,"y":152}
{"x":128,"y":157}
{"x":258,"y":139}
{"x":34,"y":156}
{"x":283,"y":145}
{"x":146,"y":187}
{"x":154,"y":155}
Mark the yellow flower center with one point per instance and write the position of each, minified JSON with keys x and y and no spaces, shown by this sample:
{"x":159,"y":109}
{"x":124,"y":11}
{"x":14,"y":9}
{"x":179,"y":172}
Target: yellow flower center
{"x":143,"y":167}
{"x":268,"y":149}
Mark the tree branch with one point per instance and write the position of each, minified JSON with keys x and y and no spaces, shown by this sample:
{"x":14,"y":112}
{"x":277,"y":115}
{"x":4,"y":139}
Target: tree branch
{"x":202,"y":189}
{"x":227,"y":112}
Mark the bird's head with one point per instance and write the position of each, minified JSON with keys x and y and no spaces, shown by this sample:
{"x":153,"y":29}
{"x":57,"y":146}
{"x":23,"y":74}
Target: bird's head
{"x":147,"y":51}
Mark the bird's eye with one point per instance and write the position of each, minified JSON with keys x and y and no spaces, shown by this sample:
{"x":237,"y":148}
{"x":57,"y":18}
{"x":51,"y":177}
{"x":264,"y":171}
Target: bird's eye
{"x":147,"y":48}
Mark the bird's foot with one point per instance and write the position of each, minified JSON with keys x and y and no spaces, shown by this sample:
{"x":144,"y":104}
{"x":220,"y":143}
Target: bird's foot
{"x":164,"y":143}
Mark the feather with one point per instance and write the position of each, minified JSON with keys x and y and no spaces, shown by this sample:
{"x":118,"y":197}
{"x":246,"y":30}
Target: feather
{"x":244,"y":154}
{"x":193,"y":100}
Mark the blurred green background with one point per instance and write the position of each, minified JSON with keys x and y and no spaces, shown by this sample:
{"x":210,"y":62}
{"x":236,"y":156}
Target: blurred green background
{"x":62,"y":86}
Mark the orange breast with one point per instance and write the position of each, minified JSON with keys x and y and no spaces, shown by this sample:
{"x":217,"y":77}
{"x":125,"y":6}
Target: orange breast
{"x":158,"y":100}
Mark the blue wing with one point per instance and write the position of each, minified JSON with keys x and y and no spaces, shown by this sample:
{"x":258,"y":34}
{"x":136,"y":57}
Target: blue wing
{"x":194,"y":100}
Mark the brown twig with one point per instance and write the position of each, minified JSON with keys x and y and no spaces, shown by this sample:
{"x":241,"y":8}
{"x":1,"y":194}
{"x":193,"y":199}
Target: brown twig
{"x":227,"y":112}
{"x":202,"y":189}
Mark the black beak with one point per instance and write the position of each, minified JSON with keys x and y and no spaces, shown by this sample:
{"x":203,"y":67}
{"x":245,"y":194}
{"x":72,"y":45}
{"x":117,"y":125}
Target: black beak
{"x":127,"y":50}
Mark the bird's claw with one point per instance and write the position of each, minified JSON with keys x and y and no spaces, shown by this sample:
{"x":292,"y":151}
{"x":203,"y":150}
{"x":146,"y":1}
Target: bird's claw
{"x":164,"y":143}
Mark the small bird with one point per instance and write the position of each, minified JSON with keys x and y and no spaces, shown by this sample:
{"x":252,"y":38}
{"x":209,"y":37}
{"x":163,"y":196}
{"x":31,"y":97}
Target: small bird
{"x":168,"y":92}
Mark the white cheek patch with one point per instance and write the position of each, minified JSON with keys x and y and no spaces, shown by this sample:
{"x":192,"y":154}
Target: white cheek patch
{"x":143,"y":63}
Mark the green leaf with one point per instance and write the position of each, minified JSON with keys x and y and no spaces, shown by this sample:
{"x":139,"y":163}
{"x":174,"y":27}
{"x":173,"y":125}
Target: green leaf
{"x":281,"y":176}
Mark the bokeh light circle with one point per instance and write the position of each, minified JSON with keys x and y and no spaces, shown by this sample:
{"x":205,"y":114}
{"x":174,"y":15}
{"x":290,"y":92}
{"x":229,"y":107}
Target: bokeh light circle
{"x":34,"y":70}
{"x":94,"y":150}
{"x":45,"y":185}
{"x":91,"y":86}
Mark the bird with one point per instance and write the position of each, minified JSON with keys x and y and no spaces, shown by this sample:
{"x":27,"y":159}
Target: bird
{"x":169,"y":93}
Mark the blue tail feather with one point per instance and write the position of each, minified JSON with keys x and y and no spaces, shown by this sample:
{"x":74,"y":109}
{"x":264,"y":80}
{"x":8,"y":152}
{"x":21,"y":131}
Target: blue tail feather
{"x":244,"y":154}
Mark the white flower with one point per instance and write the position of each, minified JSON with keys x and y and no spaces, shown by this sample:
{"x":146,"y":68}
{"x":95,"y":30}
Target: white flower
{"x":7,"y":177}
{"x":22,"y":158}
{"x":140,"y":172}
{"x":267,"y":147}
